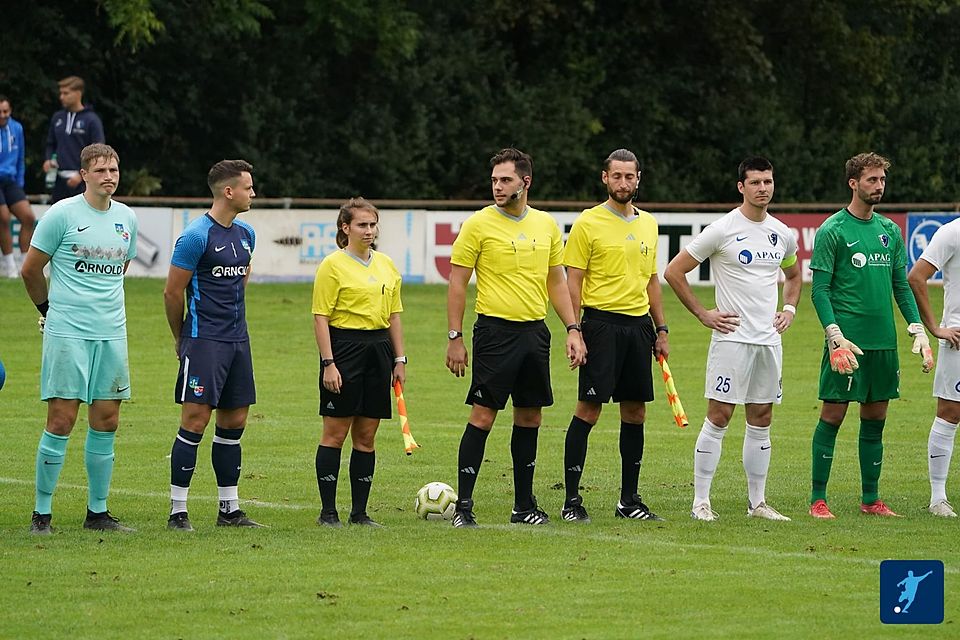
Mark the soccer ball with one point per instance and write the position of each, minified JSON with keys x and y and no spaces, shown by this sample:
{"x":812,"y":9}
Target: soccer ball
{"x":435,"y":501}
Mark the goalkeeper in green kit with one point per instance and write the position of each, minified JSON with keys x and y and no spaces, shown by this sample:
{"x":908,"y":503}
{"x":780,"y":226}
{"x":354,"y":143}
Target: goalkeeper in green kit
{"x":859,"y":263}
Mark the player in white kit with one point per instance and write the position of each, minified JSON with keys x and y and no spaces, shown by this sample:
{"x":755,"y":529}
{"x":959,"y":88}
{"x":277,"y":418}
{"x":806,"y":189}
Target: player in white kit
{"x":747,"y":248}
{"x":942,"y":254}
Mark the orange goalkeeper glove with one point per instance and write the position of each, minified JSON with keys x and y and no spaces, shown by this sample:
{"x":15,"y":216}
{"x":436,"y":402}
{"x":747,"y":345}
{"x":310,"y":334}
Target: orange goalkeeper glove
{"x":842,"y":358}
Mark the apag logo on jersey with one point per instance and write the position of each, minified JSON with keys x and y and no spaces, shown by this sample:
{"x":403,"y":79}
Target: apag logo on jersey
{"x":858,"y":260}
{"x":745,"y":257}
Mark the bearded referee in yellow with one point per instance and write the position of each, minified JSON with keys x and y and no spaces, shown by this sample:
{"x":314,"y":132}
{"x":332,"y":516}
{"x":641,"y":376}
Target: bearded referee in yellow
{"x":611,"y":259}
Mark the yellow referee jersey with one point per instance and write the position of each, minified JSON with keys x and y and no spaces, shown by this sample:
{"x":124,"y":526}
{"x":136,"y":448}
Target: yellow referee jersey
{"x":354,"y":294}
{"x":511,"y":257}
{"x":619,"y":257}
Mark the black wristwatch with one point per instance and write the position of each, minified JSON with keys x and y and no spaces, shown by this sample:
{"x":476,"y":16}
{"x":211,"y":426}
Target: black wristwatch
{"x":326,"y":362}
{"x":663,"y":328}
{"x":453,"y":334}
{"x":574,"y":327}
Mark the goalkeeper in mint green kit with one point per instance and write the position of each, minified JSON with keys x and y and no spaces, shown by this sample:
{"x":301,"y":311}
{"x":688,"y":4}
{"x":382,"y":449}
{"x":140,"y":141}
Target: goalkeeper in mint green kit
{"x":88,"y":240}
{"x":859,"y":263}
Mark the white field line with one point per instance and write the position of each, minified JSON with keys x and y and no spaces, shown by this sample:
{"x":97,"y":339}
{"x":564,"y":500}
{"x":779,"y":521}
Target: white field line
{"x":556,"y":531}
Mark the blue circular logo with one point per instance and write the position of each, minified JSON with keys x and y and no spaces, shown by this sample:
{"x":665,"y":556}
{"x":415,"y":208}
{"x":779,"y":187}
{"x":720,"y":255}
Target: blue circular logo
{"x":745,"y":257}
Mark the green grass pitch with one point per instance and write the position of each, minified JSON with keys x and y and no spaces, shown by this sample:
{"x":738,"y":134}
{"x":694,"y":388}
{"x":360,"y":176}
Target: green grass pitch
{"x":611,"y":579}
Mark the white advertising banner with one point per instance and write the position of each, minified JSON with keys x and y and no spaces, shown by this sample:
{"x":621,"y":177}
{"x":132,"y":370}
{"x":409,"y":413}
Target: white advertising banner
{"x":292,"y":242}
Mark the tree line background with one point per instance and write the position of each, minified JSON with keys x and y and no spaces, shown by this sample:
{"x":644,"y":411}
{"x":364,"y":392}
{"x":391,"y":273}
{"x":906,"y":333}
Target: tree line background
{"x":409,"y":99}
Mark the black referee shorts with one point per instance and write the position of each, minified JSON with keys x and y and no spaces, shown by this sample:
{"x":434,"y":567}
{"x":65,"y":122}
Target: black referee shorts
{"x":365,"y":361}
{"x":619,"y":355}
{"x":510,"y":359}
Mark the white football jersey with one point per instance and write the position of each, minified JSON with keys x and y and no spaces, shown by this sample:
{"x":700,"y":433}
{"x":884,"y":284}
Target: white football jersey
{"x":745,"y":259}
{"x":943,"y":252}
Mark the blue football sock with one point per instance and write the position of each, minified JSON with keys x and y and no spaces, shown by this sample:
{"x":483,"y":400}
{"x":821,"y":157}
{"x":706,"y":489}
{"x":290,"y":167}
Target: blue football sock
{"x":226,"y":456}
{"x":50,"y":455}
{"x":98,"y":456}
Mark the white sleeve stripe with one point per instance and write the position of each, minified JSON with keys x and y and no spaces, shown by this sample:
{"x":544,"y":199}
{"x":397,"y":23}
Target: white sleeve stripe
{"x":186,"y":371}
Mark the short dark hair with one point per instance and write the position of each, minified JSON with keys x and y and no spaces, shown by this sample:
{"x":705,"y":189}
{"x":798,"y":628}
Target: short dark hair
{"x":74,"y":83}
{"x":96,"y":151}
{"x":753,"y":163}
{"x":345,"y":216}
{"x":226,"y":170}
{"x":621,"y":155}
{"x":4,"y":98}
{"x":862,"y":161}
{"x":522,"y":162}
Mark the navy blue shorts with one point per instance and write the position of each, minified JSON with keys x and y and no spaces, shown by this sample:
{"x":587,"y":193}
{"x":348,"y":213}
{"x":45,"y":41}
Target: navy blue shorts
{"x":364,"y":359}
{"x":219,"y":374}
{"x":10,"y":192}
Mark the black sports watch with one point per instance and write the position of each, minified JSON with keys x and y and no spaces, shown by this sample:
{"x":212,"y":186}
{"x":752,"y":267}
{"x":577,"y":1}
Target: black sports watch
{"x":574,"y":327}
{"x":326,"y":362}
{"x":663,"y":328}
{"x":453,"y":334}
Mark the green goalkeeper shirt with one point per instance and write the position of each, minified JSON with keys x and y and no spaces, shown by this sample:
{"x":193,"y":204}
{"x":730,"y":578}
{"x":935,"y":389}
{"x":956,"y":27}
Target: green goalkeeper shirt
{"x":861,"y":265}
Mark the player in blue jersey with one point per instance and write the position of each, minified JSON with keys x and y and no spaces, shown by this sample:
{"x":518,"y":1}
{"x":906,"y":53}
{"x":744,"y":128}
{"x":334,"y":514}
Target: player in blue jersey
{"x":88,"y":240}
{"x":211,"y":264}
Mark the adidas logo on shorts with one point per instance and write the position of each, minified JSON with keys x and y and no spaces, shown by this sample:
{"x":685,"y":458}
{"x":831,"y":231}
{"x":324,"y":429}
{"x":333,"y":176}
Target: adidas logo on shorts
{"x":591,"y":392}
{"x":477,"y":393}
{"x":330,"y":405}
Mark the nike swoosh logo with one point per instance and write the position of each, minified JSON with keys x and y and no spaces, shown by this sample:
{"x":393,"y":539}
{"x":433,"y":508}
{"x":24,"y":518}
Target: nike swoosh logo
{"x":48,"y":462}
{"x":219,"y":249}
{"x":850,"y":244}
{"x":877,"y":464}
{"x":119,"y":390}
{"x":185,"y":469}
{"x":826,"y":457}
{"x":699,"y":451}
{"x":82,"y":229}
{"x":762,"y":448}
{"x":942,"y":455}
{"x":741,"y":238}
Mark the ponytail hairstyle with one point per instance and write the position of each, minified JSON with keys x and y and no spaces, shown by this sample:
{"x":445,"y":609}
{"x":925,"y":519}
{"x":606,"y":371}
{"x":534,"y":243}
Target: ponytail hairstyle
{"x":345,"y":217}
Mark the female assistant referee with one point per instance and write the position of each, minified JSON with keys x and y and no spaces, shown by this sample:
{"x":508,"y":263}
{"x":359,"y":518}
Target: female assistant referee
{"x":356,"y":311}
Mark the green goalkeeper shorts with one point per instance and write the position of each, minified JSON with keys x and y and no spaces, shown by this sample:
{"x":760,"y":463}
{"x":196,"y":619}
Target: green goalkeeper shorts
{"x":877,"y":379}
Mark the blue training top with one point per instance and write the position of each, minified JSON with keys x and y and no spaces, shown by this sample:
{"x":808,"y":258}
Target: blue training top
{"x":11,"y":152}
{"x":69,"y":133}
{"x":219,"y":258}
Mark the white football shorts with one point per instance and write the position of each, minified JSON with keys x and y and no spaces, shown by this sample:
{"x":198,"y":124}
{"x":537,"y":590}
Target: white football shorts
{"x":741,"y":373}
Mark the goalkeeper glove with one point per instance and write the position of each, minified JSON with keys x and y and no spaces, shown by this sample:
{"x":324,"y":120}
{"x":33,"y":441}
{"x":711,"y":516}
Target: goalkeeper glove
{"x":842,"y":358}
{"x":921,"y":345}
{"x":43,"y":307}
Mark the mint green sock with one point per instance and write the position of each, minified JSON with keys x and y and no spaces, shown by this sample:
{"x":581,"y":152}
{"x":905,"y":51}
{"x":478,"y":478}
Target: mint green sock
{"x":98,"y":456}
{"x":50,"y":455}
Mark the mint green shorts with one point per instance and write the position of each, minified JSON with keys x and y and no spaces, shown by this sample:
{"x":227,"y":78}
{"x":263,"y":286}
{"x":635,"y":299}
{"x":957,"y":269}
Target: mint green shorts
{"x":877,"y":379}
{"x":85,"y":370}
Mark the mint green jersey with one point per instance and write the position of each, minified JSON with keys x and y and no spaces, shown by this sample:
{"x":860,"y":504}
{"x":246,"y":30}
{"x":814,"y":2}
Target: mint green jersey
{"x":861,"y":255}
{"x":88,"y":250}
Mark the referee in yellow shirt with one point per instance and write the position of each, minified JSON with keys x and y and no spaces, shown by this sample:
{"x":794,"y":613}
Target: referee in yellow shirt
{"x":611,"y":259}
{"x":517,"y":254}
{"x":356,"y":307}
